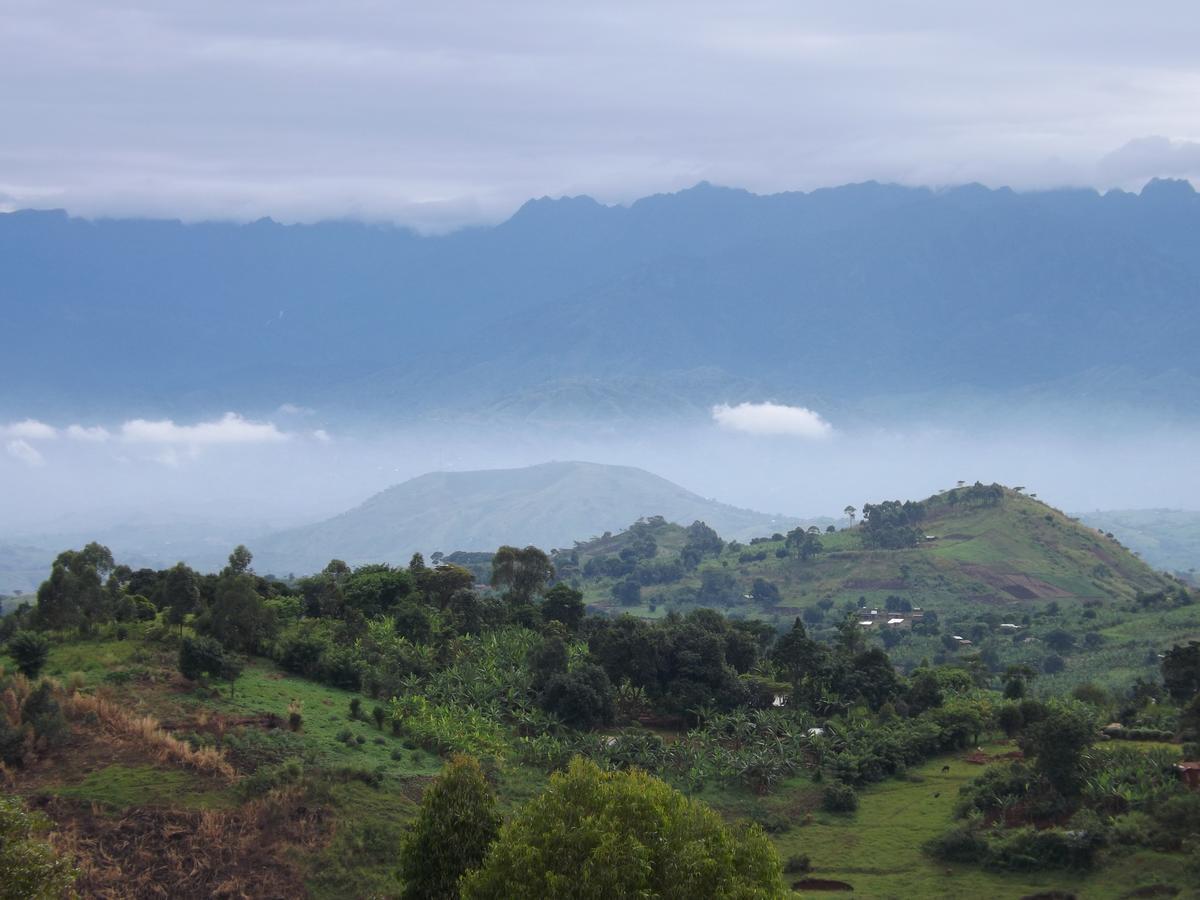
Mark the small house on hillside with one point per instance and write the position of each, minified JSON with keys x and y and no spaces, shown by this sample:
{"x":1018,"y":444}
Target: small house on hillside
{"x":1189,"y":774}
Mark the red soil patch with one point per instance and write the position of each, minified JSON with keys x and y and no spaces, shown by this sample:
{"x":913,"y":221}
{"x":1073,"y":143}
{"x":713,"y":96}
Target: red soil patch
{"x":1022,"y":587}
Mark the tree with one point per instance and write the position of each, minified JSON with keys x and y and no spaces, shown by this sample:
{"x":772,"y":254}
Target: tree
{"x":627,"y":592}
{"x":201,"y":656}
{"x":1058,"y":742}
{"x":29,"y":867}
{"x":1016,"y":678}
{"x":795,"y":654}
{"x":1059,"y":640}
{"x":563,"y":603}
{"x":523,"y":572}
{"x":180,"y":594}
{"x":764,"y":591}
{"x":622,"y":834}
{"x":442,"y":582}
{"x":73,"y":595}
{"x":1181,"y":671}
{"x":240,"y":559}
{"x":30,"y":651}
{"x":849,"y":512}
{"x":581,"y":697}
{"x":237,"y":617}
{"x":455,"y":826}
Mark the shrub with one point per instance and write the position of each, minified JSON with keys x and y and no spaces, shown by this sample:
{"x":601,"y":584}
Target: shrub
{"x":29,"y":868}
{"x":355,"y":708}
{"x":839,"y":798}
{"x":622,"y":834}
{"x":961,"y":844}
{"x":456,"y":825}
{"x":378,"y":714}
{"x":797,"y":864}
{"x":41,"y":712}
{"x":30,"y":651}
{"x":200,"y":656}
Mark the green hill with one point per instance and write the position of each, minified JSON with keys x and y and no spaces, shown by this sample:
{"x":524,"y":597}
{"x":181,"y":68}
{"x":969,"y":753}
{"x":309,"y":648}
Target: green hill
{"x":1166,"y":538}
{"x":547,"y":505}
{"x":981,"y":561}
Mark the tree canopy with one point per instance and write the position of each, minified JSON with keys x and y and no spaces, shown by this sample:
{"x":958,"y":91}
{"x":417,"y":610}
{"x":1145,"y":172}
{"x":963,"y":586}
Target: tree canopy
{"x":597,"y":834}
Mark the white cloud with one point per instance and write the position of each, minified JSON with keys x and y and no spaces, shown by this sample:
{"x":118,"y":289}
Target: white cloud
{"x":322,"y":435}
{"x":30,"y":429}
{"x":772,"y":418}
{"x":1150,"y":157}
{"x":399,"y":111}
{"x":25,"y":452}
{"x":295,"y":409}
{"x":229,"y":429}
{"x":97,"y":434}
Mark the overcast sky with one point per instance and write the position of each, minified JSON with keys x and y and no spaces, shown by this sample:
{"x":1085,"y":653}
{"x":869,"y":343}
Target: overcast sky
{"x":436,"y":114}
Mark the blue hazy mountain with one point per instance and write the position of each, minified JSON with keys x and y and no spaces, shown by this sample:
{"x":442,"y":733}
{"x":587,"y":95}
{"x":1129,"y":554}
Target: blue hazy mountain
{"x":548,"y":505}
{"x":706,"y":295}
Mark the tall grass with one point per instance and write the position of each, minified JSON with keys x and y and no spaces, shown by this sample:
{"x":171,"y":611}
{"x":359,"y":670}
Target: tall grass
{"x":147,"y":731}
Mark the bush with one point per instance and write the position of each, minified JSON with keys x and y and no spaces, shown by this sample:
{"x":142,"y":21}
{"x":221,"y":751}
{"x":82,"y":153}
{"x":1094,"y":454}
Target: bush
{"x":355,"y":708}
{"x":41,"y":712}
{"x":29,"y":867}
{"x":797,"y":864}
{"x":839,"y":798}
{"x":457,"y":824}
{"x":30,"y":651}
{"x":200,"y":656}
{"x":960,"y":844}
{"x":622,"y":834}
{"x":378,"y":714}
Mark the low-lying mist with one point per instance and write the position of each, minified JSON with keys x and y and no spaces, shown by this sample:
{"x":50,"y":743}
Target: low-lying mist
{"x":249,"y":477}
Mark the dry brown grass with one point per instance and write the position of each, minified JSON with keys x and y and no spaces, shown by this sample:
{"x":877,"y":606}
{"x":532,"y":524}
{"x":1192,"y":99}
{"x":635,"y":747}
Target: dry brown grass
{"x":184,"y":854}
{"x":147,"y":731}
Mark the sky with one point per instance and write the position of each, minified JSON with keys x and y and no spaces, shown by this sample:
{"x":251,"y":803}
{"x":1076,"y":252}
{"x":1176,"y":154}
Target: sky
{"x":438,"y":115}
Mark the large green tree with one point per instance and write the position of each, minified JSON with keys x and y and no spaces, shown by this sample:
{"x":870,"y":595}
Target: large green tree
{"x":596,"y":834}
{"x":237,"y":616}
{"x":522,"y":572}
{"x":73,"y":595}
{"x":456,"y":825}
{"x":180,"y":594}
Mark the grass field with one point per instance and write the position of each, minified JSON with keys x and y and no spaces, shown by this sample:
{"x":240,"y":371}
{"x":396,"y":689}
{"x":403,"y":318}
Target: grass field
{"x":877,"y":850}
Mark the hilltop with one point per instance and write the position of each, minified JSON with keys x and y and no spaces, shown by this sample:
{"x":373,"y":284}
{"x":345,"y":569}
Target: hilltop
{"x":546,"y":505}
{"x":972,"y":560}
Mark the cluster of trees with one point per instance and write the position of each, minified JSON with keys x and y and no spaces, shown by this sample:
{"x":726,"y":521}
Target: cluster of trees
{"x":592,"y":833}
{"x":892,"y":525}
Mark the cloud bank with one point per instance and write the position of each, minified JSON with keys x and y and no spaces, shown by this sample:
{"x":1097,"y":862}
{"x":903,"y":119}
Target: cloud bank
{"x":439,"y":115}
{"x":22,"y":451}
{"x":229,"y":429}
{"x":772,"y":419}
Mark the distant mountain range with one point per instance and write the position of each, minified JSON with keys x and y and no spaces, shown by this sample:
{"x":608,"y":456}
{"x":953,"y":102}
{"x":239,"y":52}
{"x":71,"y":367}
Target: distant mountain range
{"x":833,"y":298}
{"x":549,"y":505}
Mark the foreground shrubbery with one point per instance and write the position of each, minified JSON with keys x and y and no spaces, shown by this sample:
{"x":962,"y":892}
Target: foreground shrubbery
{"x":29,"y":867}
{"x":623,"y":834}
{"x":1058,"y":809}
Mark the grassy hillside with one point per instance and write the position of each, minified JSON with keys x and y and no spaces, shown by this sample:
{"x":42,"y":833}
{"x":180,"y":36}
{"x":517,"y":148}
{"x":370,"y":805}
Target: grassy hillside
{"x":1166,"y":538}
{"x":163,"y":823}
{"x":547,"y":505}
{"x":976,"y":567}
